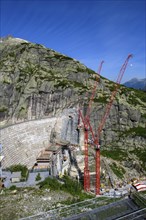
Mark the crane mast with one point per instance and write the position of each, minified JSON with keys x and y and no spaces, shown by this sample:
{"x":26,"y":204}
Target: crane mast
{"x":96,"y":137}
{"x":101,"y":125}
{"x":93,"y":92}
{"x":85,"y":121}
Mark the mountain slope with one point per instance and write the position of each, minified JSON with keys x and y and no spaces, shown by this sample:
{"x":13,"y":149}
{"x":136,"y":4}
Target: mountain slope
{"x":136,"y":84}
{"x":33,"y":76}
{"x":38,"y":83}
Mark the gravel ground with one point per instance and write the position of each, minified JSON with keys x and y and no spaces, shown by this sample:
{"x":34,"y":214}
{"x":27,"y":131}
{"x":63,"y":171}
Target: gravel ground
{"x":25,"y":202}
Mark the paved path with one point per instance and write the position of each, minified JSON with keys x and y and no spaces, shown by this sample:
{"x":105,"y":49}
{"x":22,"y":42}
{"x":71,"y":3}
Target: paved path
{"x":30,"y":182}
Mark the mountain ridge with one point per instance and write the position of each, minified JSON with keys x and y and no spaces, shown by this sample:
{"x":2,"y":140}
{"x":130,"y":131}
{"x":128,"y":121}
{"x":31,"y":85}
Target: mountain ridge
{"x":136,"y":83}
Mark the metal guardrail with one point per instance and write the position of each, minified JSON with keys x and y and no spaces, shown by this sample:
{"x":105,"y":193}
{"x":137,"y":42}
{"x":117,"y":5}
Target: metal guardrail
{"x":66,"y":209}
{"x":139,"y":213}
{"x":139,"y":200}
{"x":108,"y":212}
{"x":89,"y":209}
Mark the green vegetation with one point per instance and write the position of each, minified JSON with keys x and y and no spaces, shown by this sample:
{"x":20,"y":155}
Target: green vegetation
{"x":3,"y":109}
{"x":78,"y":85}
{"x":141,"y":154}
{"x":7,"y":80}
{"x":90,"y":71}
{"x":65,"y":83}
{"x":22,"y":111}
{"x":68,"y":185}
{"x":13,"y":187}
{"x":19,"y":167}
{"x":51,"y":183}
{"x":118,"y":170}
{"x":61,"y":57}
{"x":12,"y":54}
{"x":140,"y":94}
{"x":139,"y":199}
{"x":133,"y":96}
{"x":22,"y":50}
{"x":100,"y":99}
{"x":137,"y":131}
{"x":143,"y":115}
{"x":112,"y":86}
{"x":38,"y":177}
{"x":15,"y":201}
{"x":142,"y":193}
{"x":71,"y":186}
{"x":114,"y":153}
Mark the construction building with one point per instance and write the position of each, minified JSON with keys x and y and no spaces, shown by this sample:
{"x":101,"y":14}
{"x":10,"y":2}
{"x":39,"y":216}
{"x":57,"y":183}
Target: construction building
{"x":55,"y":159}
{"x":16,"y":177}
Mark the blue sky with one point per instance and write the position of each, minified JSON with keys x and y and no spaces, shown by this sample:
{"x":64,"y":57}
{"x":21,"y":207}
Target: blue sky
{"x":87,"y":30}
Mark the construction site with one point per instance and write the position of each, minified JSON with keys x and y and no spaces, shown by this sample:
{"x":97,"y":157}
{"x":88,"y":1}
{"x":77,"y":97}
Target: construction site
{"x":68,"y":144}
{"x":70,"y":134}
{"x":72,"y":110}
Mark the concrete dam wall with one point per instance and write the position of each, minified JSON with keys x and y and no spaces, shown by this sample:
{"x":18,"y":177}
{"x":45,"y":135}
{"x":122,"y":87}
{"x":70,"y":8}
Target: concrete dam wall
{"x":22,"y":142}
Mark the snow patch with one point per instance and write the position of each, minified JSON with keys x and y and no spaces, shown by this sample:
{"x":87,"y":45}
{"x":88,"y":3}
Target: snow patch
{"x":19,"y":39}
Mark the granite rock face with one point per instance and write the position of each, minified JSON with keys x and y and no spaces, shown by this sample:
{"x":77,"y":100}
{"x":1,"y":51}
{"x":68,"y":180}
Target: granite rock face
{"x":37,"y":83}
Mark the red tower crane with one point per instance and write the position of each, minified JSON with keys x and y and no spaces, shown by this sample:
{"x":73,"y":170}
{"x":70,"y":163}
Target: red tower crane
{"x":96,"y":137}
{"x":85,"y":120}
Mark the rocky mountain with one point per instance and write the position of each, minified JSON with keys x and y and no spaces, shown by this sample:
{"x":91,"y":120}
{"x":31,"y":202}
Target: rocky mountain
{"x":136,"y":84}
{"x":40,"y":92}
